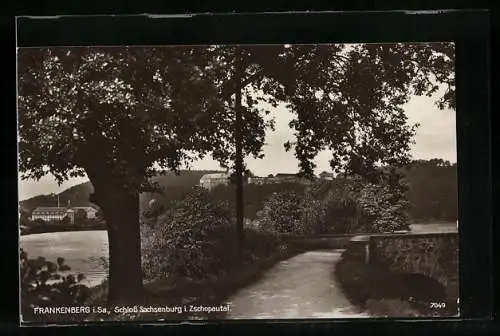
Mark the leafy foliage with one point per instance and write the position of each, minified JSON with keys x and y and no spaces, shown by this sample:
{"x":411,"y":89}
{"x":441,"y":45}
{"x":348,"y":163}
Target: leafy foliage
{"x":183,"y":244}
{"x":254,"y":195}
{"x":338,"y":206}
{"x":353,"y":108}
{"x":74,"y":98}
{"x":383,"y":209}
{"x":45,"y":283}
{"x":195,"y":240}
{"x":281,"y":213}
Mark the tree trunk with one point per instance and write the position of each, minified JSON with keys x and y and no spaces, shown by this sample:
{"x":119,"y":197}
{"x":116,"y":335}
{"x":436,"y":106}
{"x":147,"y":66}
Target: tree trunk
{"x":125,"y":273}
{"x":239,"y":157}
{"x":120,"y":208}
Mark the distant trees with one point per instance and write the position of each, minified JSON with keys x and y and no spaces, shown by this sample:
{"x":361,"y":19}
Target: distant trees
{"x":432,"y":190}
{"x":254,"y":195}
{"x":338,"y":206}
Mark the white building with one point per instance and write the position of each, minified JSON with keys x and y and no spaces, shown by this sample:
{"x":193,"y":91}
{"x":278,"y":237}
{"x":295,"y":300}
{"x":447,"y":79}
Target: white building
{"x":209,"y":181}
{"x":51,"y":214}
{"x":90,"y":211}
{"x":258,"y":180}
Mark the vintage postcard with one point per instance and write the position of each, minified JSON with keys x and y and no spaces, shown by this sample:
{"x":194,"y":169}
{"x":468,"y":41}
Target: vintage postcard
{"x":222,"y":182}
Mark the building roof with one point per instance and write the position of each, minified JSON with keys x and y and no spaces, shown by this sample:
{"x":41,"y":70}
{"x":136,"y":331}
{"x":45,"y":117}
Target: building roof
{"x":50,"y":209}
{"x":214,"y":176}
{"x":86,"y":208}
{"x":285,"y":175}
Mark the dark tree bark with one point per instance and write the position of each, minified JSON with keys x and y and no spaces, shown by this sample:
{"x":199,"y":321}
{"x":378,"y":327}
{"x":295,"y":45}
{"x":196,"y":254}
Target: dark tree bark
{"x":120,"y":207}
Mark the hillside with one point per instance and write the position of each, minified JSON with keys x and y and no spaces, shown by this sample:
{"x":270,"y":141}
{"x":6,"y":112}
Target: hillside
{"x":175,"y":186}
{"x":432,"y":192}
{"x":78,"y":195}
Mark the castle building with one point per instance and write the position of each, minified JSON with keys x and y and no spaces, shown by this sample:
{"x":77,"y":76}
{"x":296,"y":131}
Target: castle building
{"x":210,"y":181}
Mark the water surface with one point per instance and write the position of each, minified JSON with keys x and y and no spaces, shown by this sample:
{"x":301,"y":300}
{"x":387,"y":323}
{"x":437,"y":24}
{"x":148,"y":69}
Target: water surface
{"x":83,"y":251}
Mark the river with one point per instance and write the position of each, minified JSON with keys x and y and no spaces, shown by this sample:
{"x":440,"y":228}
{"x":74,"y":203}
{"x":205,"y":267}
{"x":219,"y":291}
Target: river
{"x":83,"y":251}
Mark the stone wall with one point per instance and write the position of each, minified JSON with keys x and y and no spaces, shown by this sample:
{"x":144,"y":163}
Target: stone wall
{"x":434,"y":255}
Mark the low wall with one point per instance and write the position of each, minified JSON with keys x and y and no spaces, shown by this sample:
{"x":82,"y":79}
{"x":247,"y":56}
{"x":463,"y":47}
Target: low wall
{"x":434,"y":255}
{"x":317,"y":242}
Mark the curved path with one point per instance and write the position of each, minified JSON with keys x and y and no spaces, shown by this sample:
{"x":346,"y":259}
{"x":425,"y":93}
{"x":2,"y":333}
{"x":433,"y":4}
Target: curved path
{"x":303,"y":286}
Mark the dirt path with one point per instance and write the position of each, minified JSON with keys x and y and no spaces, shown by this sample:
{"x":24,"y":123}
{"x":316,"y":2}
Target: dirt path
{"x":300,"y":287}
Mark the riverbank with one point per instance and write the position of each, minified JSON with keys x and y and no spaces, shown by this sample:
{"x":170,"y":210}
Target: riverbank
{"x":61,"y":228}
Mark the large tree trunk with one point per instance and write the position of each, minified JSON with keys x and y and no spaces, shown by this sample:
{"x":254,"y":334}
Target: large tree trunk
{"x":125,"y":272}
{"x":120,"y":208}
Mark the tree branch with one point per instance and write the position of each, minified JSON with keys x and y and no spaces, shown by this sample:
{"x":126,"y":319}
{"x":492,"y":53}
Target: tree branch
{"x":230,"y":88}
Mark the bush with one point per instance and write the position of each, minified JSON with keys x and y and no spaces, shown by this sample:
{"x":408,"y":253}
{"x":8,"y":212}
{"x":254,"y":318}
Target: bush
{"x":196,"y":241}
{"x":341,"y":211}
{"x":338,"y":207}
{"x":383,"y":209}
{"x":282,"y":214}
{"x":313,"y":217}
{"x":43,"y":284}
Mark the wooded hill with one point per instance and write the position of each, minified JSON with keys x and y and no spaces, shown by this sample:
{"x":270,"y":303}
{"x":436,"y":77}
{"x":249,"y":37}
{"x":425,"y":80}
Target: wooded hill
{"x":432,"y":191}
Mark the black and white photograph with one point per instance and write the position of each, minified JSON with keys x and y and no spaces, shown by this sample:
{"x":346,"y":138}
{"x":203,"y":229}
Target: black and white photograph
{"x":237,"y":182}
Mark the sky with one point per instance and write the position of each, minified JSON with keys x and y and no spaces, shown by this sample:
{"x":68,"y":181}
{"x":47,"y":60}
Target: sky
{"x":435,"y":138}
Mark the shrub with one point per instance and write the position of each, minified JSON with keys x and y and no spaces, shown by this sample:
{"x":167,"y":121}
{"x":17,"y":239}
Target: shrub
{"x":43,"y":284}
{"x":191,"y":241}
{"x":98,"y":295}
{"x":281,"y":213}
{"x":196,"y":241}
{"x":341,"y":211}
{"x":313,"y":217}
{"x":383,"y":209}
{"x":260,"y":245}
{"x":339,"y":206}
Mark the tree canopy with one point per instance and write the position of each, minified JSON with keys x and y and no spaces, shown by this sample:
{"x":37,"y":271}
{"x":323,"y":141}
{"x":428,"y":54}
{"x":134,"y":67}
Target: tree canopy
{"x":169,"y":105}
